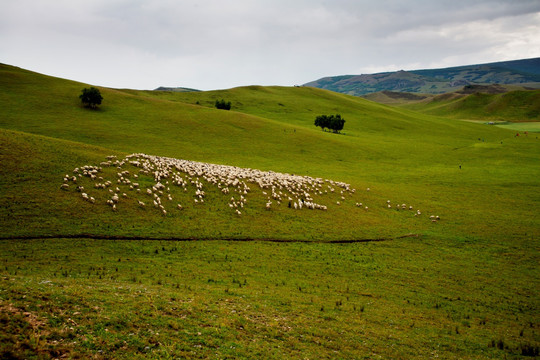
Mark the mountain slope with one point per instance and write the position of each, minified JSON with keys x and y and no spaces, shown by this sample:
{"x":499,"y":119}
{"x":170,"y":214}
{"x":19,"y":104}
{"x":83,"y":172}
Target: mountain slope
{"x":435,"y":81}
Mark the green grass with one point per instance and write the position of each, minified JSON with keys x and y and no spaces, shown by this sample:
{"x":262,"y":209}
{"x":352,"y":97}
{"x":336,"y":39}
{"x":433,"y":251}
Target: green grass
{"x":528,"y":126}
{"x":411,"y":298}
{"x":463,"y":288}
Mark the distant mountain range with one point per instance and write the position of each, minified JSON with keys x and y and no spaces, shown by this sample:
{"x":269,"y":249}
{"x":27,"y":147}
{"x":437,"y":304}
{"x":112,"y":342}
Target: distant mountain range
{"x":175,"y":89}
{"x":525,"y":73}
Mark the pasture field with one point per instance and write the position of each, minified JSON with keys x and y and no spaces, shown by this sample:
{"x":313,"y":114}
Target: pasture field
{"x":411,"y":298}
{"x":279,"y":283}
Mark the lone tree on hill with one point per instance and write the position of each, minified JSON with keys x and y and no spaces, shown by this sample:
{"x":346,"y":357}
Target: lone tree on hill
{"x":221,"y":104}
{"x":91,"y":98}
{"x":331,"y":122}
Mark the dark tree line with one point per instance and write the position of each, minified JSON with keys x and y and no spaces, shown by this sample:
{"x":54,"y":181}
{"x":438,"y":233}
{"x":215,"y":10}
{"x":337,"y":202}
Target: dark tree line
{"x":330,"y":122}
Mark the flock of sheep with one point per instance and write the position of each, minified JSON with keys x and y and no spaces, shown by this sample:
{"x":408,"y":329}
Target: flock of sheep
{"x":160,"y":174}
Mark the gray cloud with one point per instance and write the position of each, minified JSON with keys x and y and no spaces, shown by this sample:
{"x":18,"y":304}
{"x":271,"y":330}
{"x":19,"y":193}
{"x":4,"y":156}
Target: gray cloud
{"x":212,"y":44}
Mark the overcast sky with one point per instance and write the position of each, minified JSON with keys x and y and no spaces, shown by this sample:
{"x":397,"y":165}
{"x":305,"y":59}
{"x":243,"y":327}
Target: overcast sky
{"x":217,"y":44}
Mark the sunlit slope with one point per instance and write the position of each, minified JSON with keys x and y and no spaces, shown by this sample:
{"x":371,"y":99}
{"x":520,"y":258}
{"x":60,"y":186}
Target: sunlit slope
{"x":516,"y":106}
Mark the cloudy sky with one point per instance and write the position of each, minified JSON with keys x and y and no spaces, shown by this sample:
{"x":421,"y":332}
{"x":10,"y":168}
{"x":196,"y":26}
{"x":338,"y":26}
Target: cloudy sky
{"x":216,"y":44}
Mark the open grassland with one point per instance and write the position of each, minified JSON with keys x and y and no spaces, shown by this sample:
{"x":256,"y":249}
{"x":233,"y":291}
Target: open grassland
{"x":463,"y":287}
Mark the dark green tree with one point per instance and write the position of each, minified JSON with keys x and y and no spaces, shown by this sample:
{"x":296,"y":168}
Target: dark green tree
{"x":322,"y":121}
{"x":91,"y":98}
{"x":222,"y":104}
{"x":331,"y":122}
{"x":336,"y":123}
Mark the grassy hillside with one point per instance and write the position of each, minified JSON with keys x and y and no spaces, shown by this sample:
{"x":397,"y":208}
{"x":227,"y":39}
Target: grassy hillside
{"x":462,"y":287}
{"x":514,"y":106}
{"x":397,"y":153}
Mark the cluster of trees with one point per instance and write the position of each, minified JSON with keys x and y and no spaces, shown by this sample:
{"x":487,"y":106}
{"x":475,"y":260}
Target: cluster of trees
{"x":222,"y":104}
{"x":91,"y":98}
{"x":330,"y":122}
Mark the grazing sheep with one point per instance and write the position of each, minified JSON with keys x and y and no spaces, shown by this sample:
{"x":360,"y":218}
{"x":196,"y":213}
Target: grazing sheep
{"x":175,"y":172}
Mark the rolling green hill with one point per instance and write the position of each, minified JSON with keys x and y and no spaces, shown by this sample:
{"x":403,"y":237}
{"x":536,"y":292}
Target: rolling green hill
{"x":514,"y":106}
{"x":395,"y":152}
{"x":462,"y":286}
{"x":485,"y":103}
{"x":524,"y":72}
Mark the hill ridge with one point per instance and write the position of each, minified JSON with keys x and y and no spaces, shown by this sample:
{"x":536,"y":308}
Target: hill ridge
{"x":435,"y":81}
